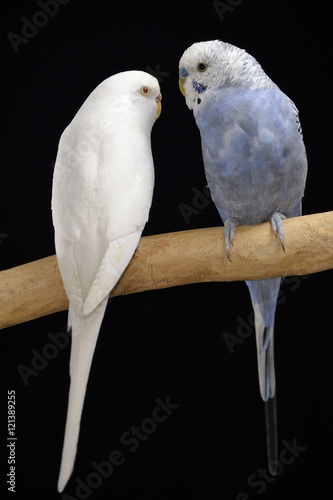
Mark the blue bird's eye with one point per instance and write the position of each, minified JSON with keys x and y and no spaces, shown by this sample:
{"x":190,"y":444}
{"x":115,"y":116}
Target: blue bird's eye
{"x":202,"y":67}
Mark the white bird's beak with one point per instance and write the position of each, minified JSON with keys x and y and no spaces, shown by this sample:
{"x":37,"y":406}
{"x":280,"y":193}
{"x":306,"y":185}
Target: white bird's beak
{"x":158,"y":99}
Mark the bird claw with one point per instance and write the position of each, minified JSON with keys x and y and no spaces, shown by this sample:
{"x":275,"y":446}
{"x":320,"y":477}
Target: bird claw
{"x":276,"y":221}
{"x":229,"y":235}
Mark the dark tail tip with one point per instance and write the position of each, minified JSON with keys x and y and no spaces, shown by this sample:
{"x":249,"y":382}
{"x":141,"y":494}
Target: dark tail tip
{"x":271,"y":435}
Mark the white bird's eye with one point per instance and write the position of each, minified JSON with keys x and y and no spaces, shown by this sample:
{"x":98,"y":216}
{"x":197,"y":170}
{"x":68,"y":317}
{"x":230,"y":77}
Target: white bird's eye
{"x":145,"y":91}
{"x":202,"y":67}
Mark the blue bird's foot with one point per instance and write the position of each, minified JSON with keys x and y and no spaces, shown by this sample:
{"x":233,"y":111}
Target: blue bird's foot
{"x":276,"y":221}
{"x":229,"y":235}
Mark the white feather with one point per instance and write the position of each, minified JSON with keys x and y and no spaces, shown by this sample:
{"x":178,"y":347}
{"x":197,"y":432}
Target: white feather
{"x":84,"y":337}
{"x":102,"y":192}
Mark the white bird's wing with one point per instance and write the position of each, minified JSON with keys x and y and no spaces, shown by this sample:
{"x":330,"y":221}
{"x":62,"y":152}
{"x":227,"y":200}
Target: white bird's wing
{"x":100,"y":205}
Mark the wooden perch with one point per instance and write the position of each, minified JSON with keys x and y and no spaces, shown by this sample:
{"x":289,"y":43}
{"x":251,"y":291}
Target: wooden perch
{"x":166,"y":260}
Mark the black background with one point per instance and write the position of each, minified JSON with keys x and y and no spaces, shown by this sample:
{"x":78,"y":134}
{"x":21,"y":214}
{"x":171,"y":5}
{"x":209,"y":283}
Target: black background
{"x":167,"y":343}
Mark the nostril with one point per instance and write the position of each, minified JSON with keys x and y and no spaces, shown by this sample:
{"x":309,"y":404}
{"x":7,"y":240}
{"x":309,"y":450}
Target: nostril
{"x":183,"y":73}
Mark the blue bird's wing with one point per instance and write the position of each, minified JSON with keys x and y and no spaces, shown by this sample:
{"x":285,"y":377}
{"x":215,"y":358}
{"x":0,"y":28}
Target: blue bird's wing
{"x":253,"y":152}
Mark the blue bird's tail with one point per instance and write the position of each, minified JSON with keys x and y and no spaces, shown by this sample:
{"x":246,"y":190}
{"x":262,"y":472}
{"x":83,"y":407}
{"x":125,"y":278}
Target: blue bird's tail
{"x":264,"y":295}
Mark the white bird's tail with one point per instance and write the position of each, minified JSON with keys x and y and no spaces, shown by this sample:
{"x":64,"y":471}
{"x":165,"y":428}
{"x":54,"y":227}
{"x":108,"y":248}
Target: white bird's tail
{"x":84,"y":337}
{"x":264,"y":295}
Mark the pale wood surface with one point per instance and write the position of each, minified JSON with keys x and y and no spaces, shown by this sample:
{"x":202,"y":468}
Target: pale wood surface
{"x":172,"y":259}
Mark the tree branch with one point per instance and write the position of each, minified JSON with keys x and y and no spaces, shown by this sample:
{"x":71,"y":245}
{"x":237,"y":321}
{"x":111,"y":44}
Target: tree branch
{"x":166,"y":260}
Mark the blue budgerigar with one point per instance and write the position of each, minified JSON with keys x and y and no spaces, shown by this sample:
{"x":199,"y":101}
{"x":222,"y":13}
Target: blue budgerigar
{"x":256,"y":166}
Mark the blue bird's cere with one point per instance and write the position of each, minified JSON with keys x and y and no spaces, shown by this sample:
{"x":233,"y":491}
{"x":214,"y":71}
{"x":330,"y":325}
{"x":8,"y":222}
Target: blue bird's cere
{"x":255,"y":164}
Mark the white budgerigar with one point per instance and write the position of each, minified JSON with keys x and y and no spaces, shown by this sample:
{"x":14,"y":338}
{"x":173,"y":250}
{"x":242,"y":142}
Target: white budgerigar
{"x":256,"y":167}
{"x":102,"y":191}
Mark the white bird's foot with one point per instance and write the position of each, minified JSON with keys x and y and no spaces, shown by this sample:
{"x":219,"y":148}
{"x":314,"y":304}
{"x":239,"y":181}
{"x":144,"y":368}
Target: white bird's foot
{"x":229,"y":235}
{"x":276,"y":221}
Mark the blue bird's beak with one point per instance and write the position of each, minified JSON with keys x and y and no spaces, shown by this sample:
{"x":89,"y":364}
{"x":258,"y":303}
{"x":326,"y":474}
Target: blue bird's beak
{"x":183,"y":73}
{"x":181,"y":86}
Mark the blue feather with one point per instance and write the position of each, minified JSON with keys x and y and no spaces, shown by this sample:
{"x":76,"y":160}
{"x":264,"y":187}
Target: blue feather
{"x":198,"y":87}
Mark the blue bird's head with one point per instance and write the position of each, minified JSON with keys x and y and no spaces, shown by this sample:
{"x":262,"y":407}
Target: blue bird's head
{"x":212,"y":64}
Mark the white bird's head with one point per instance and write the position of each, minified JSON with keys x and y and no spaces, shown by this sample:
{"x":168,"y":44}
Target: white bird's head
{"x":206,"y":65}
{"x":143,"y":90}
{"x":130,"y":95}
